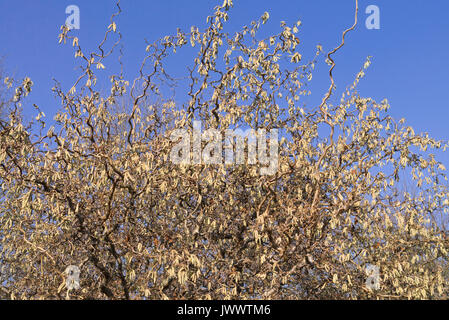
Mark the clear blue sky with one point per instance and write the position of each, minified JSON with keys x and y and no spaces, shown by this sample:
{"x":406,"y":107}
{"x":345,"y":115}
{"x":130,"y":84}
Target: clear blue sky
{"x":411,"y":50}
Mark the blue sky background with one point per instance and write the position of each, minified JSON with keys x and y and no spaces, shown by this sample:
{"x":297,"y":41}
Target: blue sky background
{"x":411,"y":50}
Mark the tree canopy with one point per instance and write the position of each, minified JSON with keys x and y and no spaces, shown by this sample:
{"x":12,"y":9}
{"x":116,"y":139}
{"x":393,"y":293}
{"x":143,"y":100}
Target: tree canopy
{"x":96,"y":188}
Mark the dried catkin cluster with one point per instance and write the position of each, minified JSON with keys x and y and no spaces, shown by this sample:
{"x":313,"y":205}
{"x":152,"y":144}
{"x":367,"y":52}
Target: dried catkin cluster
{"x":96,"y":190}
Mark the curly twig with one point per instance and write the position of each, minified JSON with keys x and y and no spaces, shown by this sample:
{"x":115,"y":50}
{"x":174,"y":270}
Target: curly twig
{"x":329,"y":56}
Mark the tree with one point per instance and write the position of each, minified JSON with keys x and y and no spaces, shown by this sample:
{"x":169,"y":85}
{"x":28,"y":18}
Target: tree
{"x":4,"y":83}
{"x":98,"y":189}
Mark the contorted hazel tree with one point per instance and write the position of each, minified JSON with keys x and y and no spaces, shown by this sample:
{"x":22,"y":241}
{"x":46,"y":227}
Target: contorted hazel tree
{"x":97,"y":189}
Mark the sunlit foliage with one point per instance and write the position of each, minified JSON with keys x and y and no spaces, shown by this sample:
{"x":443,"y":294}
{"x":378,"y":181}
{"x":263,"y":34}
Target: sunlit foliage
{"x":96,"y":188}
